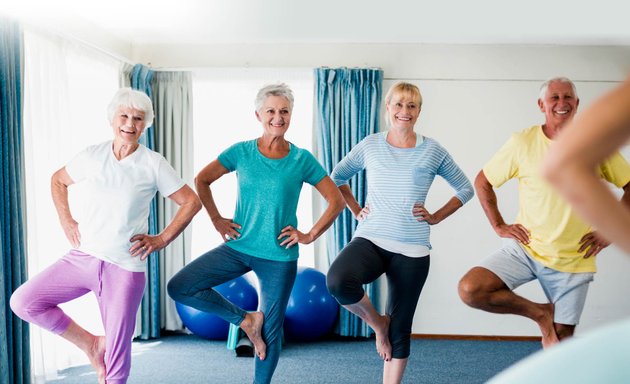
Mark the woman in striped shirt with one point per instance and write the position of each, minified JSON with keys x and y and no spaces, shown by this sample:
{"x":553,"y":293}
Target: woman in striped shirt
{"x":392,"y":236}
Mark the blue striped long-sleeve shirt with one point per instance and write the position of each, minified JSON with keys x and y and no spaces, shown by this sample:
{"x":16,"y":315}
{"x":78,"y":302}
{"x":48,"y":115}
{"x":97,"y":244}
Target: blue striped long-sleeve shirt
{"x":397,"y":178}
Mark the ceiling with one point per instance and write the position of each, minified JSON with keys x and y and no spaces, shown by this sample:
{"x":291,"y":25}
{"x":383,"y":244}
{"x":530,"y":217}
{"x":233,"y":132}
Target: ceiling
{"x":602,"y":22}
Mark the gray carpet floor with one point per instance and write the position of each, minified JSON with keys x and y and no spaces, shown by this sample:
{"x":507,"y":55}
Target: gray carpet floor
{"x":192,"y":360}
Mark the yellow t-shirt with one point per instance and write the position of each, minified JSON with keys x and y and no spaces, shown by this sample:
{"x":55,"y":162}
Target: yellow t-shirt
{"x":555,"y":230}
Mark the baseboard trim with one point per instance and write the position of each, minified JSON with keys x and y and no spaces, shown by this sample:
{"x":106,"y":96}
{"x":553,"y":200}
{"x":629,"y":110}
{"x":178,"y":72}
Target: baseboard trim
{"x":474,"y":337}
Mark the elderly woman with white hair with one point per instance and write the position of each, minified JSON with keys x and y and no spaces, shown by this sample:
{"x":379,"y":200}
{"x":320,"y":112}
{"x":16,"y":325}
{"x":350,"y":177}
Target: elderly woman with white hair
{"x":109,"y":238}
{"x":263,"y":235}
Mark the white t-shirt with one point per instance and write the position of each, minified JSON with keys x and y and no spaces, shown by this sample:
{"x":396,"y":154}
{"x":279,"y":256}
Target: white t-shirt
{"x":113,"y":199}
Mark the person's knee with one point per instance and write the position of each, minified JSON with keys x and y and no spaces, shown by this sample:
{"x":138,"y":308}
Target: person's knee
{"x":174,"y":287}
{"x":19,"y":304}
{"x":334,"y":283}
{"x":467,"y":290}
{"x":343,"y":289}
{"x":470,"y":290}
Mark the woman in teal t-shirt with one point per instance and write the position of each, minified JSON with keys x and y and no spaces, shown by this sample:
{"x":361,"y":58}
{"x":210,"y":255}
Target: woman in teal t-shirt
{"x":263,"y":234}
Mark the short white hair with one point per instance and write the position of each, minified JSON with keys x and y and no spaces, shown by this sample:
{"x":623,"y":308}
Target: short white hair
{"x":280,"y":89}
{"x":130,"y":98}
{"x":545,"y":86}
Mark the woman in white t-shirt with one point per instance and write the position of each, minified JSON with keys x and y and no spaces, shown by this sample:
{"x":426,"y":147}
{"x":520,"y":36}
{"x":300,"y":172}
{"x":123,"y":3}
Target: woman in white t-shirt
{"x":110,"y":244}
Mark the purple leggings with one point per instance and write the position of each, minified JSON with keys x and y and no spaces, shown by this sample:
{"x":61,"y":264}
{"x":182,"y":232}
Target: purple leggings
{"x":117,"y":291}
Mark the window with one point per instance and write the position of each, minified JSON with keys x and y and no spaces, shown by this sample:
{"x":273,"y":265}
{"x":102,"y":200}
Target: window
{"x":67,"y":89}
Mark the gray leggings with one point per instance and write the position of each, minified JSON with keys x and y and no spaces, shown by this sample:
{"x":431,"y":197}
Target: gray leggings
{"x":362,"y":262}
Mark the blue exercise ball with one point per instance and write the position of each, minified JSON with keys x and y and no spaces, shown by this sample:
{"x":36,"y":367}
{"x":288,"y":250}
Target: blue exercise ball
{"x":209,"y":326}
{"x":312,"y":311}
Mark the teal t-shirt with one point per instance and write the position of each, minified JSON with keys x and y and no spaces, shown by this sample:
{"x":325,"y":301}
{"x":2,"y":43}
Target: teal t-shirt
{"x":268,"y":193}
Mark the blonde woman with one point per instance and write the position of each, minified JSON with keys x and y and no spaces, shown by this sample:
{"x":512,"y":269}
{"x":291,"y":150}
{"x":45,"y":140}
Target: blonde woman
{"x":392,"y":237}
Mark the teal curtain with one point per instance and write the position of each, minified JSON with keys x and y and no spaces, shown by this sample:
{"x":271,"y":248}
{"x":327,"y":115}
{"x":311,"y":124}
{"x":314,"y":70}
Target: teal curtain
{"x":141,"y":78}
{"x":347,"y":105}
{"x":14,"y":338}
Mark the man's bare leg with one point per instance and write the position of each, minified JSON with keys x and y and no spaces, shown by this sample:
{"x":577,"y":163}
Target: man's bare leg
{"x":482,"y":289}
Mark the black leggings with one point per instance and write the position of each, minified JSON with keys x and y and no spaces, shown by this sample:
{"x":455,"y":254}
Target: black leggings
{"x":362,"y":262}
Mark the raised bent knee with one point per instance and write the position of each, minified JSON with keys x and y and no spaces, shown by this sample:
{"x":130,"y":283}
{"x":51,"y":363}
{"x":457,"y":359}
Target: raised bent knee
{"x":470,"y":291}
{"x":344,"y":290}
{"x":20,"y":304}
{"x":174,"y":289}
{"x":334,"y":285}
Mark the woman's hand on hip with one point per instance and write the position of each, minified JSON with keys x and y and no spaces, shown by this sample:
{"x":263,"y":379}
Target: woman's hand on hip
{"x":363,"y":213}
{"x":71,"y":229}
{"x":292,"y":236}
{"x":227,"y":228}
{"x":422,"y":214}
{"x":146,"y":244}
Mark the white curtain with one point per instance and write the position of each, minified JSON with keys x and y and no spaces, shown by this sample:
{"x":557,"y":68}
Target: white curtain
{"x":67,"y":89}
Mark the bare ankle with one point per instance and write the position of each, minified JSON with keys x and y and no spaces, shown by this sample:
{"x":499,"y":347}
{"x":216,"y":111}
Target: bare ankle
{"x":546,"y":324}
{"x":545,"y":315}
{"x":96,"y":354}
{"x":252,"y":325}
{"x":383,"y":345}
{"x":250,"y":320}
{"x":383,"y":324}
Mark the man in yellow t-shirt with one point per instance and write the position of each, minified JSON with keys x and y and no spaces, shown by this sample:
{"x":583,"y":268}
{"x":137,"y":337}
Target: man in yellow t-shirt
{"x":548,"y":241}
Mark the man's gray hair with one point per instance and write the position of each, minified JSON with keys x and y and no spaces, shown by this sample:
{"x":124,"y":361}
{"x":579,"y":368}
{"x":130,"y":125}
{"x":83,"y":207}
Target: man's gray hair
{"x":559,"y":79}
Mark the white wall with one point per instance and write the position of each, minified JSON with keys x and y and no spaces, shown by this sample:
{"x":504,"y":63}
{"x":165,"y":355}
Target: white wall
{"x":405,"y":61}
{"x":472,"y":119}
{"x":474,"y":98}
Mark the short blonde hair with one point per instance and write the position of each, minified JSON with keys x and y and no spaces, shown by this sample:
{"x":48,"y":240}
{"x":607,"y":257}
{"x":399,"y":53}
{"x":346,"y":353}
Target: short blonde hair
{"x":406,"y":89}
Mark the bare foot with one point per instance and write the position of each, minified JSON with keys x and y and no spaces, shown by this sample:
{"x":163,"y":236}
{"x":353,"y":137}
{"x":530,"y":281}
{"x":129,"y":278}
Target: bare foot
{"x":549,"y":336}
{"x":252,"y":325}
{"x":96,"y":354}
{"x":383,"y":347}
